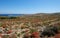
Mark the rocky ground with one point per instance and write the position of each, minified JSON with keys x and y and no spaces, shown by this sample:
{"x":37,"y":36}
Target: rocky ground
{"x":30,"y":26}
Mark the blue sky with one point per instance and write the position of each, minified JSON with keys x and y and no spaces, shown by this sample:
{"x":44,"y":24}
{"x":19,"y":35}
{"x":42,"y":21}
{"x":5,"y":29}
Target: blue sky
{"x":29,"y":6}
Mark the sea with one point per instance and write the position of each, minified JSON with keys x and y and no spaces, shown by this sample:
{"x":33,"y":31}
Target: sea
{"x":11,"y":15}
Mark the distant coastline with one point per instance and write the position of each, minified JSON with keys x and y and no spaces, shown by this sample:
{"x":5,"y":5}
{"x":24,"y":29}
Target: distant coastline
{"x":11,"y":14}
{"x":58,"y":13}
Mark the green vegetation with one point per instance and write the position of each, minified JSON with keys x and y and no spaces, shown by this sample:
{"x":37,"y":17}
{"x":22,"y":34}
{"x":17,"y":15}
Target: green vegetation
{"x":0,"y":24}
{"x":8,"y":17}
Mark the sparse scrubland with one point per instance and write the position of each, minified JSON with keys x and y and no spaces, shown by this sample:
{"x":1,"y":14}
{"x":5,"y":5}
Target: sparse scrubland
{"x":30,"y":26}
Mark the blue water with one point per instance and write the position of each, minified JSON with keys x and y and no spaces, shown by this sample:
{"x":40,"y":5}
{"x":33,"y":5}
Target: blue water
{"x":11,"y":14}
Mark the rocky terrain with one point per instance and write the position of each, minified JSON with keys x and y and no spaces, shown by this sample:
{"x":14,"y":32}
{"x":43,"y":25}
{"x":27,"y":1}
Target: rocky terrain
{"x":39,"y":25}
